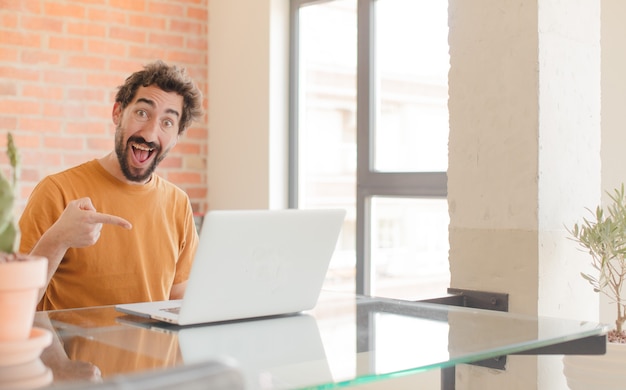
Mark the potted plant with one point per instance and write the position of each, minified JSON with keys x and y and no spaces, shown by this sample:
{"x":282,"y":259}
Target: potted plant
{"x":21,"y":275}
{"x":604,"y":238}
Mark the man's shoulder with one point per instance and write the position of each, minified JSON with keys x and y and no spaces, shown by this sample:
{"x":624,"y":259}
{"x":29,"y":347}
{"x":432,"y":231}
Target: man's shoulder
{"x":72,"y":180}
{"x":171,"y":193}
{"x":86,"y":166}
{"x":164,"y":184}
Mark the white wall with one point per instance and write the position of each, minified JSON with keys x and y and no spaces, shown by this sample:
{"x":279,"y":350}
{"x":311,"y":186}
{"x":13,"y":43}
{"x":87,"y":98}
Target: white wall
{"x":613,"y":110}
{"x":248,"y":104}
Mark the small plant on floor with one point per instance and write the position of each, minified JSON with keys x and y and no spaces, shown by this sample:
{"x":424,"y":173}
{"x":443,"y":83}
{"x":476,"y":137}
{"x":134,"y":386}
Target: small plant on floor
{"x":604,"y":238}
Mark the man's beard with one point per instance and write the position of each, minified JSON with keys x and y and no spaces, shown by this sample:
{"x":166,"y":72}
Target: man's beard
{"x":122,"y":151}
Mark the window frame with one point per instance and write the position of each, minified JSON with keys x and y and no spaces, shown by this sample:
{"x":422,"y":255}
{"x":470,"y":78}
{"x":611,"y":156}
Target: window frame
{"x":370,"y":183}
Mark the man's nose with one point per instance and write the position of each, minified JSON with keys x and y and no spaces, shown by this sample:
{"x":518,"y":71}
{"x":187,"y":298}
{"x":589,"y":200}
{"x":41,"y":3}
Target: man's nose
{"x":150,"y":130}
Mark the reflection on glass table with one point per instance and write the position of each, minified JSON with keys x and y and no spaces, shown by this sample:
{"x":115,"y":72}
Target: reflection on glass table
{"x":344,"y":341}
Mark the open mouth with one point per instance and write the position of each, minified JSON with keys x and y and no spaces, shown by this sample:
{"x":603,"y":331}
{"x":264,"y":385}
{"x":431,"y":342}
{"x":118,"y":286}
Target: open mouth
{"x":141,"y":152}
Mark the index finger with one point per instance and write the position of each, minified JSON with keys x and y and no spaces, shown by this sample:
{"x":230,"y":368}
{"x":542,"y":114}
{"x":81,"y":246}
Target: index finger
{"x":112,"y":220}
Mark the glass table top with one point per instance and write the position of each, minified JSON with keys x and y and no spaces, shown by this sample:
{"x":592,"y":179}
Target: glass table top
{"x":345,"y":340}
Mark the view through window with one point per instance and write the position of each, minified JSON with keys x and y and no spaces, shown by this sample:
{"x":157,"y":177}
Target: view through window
{"x":408,"y":235}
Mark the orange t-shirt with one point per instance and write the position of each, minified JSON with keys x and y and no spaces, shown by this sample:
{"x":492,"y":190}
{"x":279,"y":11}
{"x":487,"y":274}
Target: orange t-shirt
{"x":124,"y":266}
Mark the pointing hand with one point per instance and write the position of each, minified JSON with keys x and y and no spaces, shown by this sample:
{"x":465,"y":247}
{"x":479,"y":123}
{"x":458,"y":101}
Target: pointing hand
{"x":80,"y":224}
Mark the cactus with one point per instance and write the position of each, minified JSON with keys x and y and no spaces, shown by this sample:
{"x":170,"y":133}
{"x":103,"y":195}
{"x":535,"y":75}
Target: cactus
{"x":9,"y":231}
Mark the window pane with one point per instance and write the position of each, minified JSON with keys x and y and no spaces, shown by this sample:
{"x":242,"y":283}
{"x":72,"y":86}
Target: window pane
{"x":412,"y":63}
{"x":327,"y":123}
{"x":409,"y":247}
{"x":409,"y":236}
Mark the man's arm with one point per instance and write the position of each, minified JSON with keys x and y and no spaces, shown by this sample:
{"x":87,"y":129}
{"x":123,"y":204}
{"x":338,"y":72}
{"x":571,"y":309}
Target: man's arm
{"x":55,"y":357}
{"x":78,"y":226}
{"x":178,"y":290}
{"x":186,"y":256}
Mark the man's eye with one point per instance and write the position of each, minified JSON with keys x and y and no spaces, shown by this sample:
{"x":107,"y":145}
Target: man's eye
{"x":168,"y":123}
{"x":141,"y":113}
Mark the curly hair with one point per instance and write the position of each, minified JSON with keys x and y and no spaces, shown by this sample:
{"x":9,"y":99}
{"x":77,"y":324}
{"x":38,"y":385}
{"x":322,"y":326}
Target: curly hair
{"x":169,"y":78}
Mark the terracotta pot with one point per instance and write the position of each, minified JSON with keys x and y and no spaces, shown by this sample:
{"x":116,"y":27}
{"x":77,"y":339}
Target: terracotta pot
{"x":595,"y":372}
{"x":30,"y":375}
{"x":21,"y":277}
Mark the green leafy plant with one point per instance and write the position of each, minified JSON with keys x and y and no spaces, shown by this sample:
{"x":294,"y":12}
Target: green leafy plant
{"x":9,"y":231}
{"x":604,"y":238}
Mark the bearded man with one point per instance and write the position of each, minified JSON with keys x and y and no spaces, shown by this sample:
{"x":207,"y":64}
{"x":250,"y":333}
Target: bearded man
{"x":113,"y":230}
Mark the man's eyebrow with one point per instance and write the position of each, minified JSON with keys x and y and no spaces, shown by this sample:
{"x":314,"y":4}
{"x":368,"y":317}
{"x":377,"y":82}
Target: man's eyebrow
{"x":152,"y":104}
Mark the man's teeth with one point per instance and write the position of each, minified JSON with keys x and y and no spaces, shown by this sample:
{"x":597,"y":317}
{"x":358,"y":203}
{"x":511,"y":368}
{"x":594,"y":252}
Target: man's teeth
{"x":143,"y":147}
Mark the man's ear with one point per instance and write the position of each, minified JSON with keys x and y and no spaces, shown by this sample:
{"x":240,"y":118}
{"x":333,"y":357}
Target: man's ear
{"x":116,"y":115}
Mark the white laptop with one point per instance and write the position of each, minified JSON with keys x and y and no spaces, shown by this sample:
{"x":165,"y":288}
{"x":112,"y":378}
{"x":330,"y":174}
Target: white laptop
{"x":252,"y":263}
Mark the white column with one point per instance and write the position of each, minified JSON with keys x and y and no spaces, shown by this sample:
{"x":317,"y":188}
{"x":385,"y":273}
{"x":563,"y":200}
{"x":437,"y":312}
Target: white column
{"x":248,"y":104}
{"x":524,"y":162}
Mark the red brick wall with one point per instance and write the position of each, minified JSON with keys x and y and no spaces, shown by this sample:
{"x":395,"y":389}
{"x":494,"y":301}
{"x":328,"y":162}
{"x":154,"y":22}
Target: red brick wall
{"x":60,"y":64}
